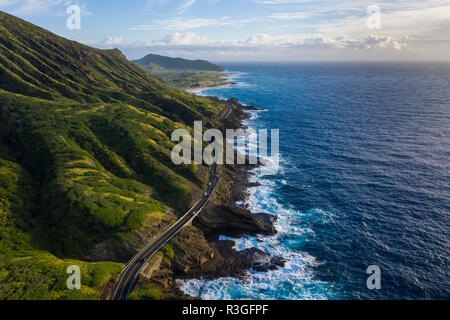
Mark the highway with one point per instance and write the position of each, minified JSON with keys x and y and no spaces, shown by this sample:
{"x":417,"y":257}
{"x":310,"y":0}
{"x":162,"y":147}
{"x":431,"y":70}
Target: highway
{"x":131,"y":271}
{"x":228,"y":111}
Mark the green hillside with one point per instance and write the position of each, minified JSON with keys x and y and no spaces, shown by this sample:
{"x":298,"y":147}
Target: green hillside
{"x":156,"y":63}
{"x":85,"y":169}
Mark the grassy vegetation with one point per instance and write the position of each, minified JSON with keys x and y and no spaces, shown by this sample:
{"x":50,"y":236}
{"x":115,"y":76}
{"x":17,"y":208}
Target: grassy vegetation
{"x":26,"y":272}
{"x":191,"y":80}
{"x":183,"y":73}
{"x":168,"y":254}
{"x":154,"y":62}
{"x":84,"y":158}
{"x":148,"y":294}
{"x":38,"y":275}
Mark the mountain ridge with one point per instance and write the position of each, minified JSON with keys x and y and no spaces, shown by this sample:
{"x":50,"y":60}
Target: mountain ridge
{"x":86,"y":174}
{"x":155,"y":63}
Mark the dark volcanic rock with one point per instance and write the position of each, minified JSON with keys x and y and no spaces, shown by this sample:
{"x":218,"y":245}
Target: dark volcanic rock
{"x":254,"y":259}
{"x":228,"y":262}
{"x":268,"y":221}
{"x":259,"y":260}
{"x":232,"y":221}
{"x":235,"y":102}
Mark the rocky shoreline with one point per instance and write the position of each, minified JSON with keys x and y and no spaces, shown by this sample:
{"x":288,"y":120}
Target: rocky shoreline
{"x":198,"y":252}
{"x":229,"y":218}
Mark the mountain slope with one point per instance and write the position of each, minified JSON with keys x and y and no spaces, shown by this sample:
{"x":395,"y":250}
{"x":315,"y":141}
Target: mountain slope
{"x":156,"y":63}
{"x":85,"y":160}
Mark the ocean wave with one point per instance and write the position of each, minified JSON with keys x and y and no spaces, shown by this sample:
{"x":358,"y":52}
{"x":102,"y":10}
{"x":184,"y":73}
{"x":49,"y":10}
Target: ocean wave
{"x":296,"y":279}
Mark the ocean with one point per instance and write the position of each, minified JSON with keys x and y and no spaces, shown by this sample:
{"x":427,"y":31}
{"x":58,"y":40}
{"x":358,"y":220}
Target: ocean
{"x":364,"y":180}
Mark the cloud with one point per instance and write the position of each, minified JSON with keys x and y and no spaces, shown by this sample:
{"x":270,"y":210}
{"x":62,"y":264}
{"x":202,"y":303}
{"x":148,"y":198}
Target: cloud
{"x":41,"y":7}
{"x":111,"y":42}
{"x":186,"y":5}
{"x":187,"y":38}
{"x":274,"y":2}
{"x":427,"y":18}
{"x":181,"y":24}
{"x":295,"y":30}
{"x":291,"y":15}
{"x":4,"y":3}
{"x":190,"y":39}
{"x":259,"y":39}
{"x":189,"y":23}
{"x":289,"y":47}
{"x":31,"y":7}
{"x":376,"y":41}
{"x":420,"y":18}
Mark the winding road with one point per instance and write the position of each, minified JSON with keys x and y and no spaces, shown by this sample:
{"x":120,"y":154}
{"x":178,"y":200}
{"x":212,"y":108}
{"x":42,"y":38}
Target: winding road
{"x":131,"y":271}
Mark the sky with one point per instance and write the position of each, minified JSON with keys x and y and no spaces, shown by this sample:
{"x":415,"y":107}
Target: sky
{"x":253,"y":30}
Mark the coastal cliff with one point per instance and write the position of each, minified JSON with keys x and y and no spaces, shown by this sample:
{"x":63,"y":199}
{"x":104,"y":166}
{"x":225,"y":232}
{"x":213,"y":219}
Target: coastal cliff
{"x":86,"y":176}
{"x":198,"y":252}
{"x":85,"y":161}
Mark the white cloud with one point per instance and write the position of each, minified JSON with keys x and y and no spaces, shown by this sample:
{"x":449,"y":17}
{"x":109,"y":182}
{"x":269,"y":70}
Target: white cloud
{"x":289,"y":47}
{"x":4,"y":3}
{"x":189,"y":23}
{"x":290,"y":29}
{"x":186,"y":5}
{"x":376,"y":41}
{"x":111,"y":42}
{"x":181,"y":24}
{"x":187,"y":38}
{"x":114,"y":40}
{"x":291,"y":15}
{"x":274,"y":2}
{"x":31,"y":7}
{"x":41,"y":7}
{"x":259,"y":39}
{"x":427,"y":19}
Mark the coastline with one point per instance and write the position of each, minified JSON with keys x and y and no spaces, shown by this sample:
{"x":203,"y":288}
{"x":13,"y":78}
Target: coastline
{"x":254,"y":229}
{"x":256,"y":189}
{"x":200,"y":252}
{"x":231,"y":218}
